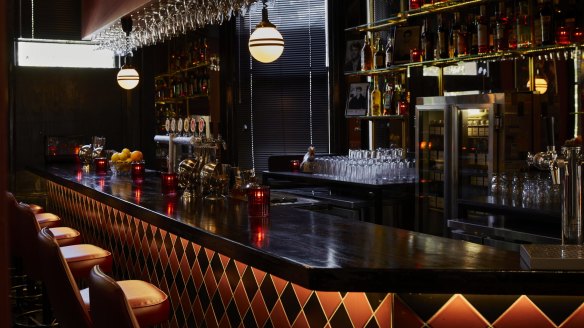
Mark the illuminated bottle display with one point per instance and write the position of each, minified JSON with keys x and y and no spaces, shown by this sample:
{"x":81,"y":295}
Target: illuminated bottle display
{"x":366,"y":56}
{"x":375,"y":99}
{"x":441,"y":50}
{"x":379,"y":55}
{"x":389,"y":52}
{"x":388,"y":99}
{"x":426,"y":40}
{"x":483,"y":31}
{"x":454,"y":34}
{"x":523,"y":29}
{"x":501,"y":29}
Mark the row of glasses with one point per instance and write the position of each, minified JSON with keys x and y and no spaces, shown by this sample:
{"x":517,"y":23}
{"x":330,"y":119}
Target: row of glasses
{"x":364,"y":166}
{"x":161,"y":20}
{"x":525,"y":190}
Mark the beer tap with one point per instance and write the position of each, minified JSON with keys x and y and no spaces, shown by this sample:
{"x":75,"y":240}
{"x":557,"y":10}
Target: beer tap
{"x":547,"y":160}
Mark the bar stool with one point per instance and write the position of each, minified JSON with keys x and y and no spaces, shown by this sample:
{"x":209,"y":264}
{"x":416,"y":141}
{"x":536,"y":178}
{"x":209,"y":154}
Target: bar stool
{"x":126,"y":303}
{"x":148,"y":304}
{"x":36,"y":209}
{"x":48,"y":220}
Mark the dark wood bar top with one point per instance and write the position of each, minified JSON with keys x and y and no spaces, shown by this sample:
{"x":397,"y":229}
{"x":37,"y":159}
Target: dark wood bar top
{"x":320,"y":251}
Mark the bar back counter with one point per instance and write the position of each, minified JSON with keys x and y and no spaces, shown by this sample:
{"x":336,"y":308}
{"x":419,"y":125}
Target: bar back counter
{"x":302,"y":268}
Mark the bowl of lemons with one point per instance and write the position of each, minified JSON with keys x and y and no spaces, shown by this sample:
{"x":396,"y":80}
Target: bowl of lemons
{"x":121,"y":162}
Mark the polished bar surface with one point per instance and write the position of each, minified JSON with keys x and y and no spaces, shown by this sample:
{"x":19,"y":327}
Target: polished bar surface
{"x":323,"y":252}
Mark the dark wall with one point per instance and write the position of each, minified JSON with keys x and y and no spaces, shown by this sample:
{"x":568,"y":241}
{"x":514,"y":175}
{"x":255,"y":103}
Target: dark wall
{"x":64,"y":102}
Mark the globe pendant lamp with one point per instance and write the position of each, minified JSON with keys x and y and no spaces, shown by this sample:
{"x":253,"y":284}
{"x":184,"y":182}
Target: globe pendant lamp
{"x":266,"y":43}
{"x":128,"y":78}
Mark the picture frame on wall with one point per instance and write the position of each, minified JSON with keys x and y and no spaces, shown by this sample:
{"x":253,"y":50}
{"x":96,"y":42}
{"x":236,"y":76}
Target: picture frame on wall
{"x":353,"y":55}
{"x":406,"y":38}
{"x":357,"y":101}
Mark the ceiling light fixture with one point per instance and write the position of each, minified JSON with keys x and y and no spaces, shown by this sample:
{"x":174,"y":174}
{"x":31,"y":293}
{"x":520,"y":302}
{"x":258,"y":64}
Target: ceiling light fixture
{"x":128,"y":78}
{"x":266,"y":43}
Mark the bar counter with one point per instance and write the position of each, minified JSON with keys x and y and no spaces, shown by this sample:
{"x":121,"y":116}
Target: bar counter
{"x":214,"y":262}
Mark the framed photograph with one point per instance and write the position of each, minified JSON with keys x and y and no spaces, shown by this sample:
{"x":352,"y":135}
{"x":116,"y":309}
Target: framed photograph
{"x":406,"y":38}
{"x":353,"y":55}
{"x":357,"y":101}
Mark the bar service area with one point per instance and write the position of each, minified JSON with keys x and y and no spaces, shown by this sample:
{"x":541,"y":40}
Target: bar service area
{"x":272,"y":163}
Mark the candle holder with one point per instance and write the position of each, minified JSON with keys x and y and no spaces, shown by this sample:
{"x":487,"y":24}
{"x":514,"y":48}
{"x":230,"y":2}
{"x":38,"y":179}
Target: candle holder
{"x":258,"y":201}
{"x":415,"y":4}
{"x":578,"y":34}
{"x":137,"y":170}
{"x":100,"y":165}
{"x":295,"y":165}
{"x":562,"y":36}
{"x":169,"y":183}
{"x":259,"y":231}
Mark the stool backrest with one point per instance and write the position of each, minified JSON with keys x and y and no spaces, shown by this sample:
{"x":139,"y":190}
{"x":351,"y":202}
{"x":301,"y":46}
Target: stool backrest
{"x":109,"y":306}
{"x":66,"y":301}
{"x":23,"y":235}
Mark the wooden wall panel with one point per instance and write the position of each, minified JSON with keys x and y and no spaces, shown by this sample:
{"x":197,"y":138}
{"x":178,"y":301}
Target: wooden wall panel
{"x":97,"y":14}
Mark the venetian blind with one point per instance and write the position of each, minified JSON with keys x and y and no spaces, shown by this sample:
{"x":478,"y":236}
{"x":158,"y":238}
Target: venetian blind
{"x":284,"y":105}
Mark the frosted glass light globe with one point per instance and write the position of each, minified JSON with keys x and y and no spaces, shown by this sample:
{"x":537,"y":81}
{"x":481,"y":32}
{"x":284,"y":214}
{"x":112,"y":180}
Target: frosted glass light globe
{"x":128,"y":77}
{"x":266,"y":44}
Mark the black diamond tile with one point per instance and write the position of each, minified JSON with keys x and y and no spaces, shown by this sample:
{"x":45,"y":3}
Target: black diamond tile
{"x":217,"y":267}
{"x":179,"y":315}
{"x":191,"y":256}
{"x":372,"y":323}
{"x":269,"y":324}
{"x":232,"y":275}
{"x":249,"y":283}
{"x":191,"y":289}
{"x":178,"y":248}
{"x":168,"y":276}
{"x":158,"y":239}
{"x":203,"y":261}
{"x":233,"y":314}
{"x":218,"y":306}
{"x":343,"y":294}
{"x":150,"y":265}
{"x":425,"y":305}
{"x":248,"y":320}
{"x":341,"y":318}
{"x":149,"y":234}
{"x":204,"y":297}
{"x":269,"y":293}
{"x":191,"y":322}
{"x":141,"y":261}
{"x":290,"y":303}
{"x":141,"y":230}
{"x":557,"y":308}
{"x":168,"y":242}
{"x":314,"y":312}
{"x":179,"y":282}
{"x":159,"y":269}
{"x":375,"y":299}
{"x":491,"y":306}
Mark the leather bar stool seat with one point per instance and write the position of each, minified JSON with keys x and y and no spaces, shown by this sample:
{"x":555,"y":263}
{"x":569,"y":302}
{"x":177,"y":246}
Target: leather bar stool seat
{"x":81,"y":258}
{"x":36,"y":209}
{"x":124,"y":303}
{"x":48,"y":220}
{"x":66,"y":236}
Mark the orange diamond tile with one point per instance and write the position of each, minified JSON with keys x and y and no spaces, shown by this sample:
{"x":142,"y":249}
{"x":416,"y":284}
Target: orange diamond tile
{"x":185,"y":268}
{"x":358,"y":308}
{"x":224,"y":323}
{"x":575,"y":320}
{"x":197,"y":248}
{"x":523,"y":313}
{"x":174,"y":295}
{"x":329,"y":302}
{"x":403,"y":316}
{"x":197,"y":275}
{"x":224,"y":260}
{"x":457,"y":311}
{"x":301,"y":321}
{"x":278,"y":316}
{"x":302,"y":294}
{"x":259,"y":310}
{"x":210,"y":319}
{"x":241,"y":299}
{"x":225,"y":290}
{"x":383,"y":313}
{"x":210,"y":253}
{"x":174,"y":264}
{"x":240,"y":267}
{"x":210,"y":283}
{"x":279,"y":284}
{"x":259,"y":275}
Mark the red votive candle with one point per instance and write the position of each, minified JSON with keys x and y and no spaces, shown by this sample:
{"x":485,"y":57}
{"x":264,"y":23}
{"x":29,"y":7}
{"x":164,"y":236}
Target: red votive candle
{"x":100,"y":165}
{"x":294,"y":165}
{"x":169,"y":182}
{"x":138,"y":172}
{"x":402,"y":107}
{"x":415,"y":55}
{"x":415,"y":4}
{"x":258,"y":201}
{"x":258,"y":229}
{"x":578,"y":34}
{"x":562,"y":36}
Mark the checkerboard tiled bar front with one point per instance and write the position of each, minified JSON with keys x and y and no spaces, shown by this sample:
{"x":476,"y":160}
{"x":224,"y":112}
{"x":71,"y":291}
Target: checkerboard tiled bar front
{"x":303,"y":269}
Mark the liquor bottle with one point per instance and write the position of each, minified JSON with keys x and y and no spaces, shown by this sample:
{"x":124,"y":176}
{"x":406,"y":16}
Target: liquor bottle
{"x":501,"y":28}
{"x":379,"y":55}
{"x":523,"y":29}
{"x":203,"y":51}
{"x":441,"y":50}
{"x":375,"y":99}
{"x":389,"y":51}
{"x":195,"y":53}
{"x":564,"y":22}
{"x":427,"y":42}
{"x":511,"y":29}
{"x":366,"y":56}
{"x":462,"y":45}
{"x":545,"y":18}
{"x":483,"y":31}
{"x":453,"y":38}
{"x":388,"y":99}
{"x":473,"y":38}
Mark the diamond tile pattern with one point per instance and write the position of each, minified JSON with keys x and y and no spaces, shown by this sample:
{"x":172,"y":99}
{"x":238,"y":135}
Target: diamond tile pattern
{"x":209,"y":289}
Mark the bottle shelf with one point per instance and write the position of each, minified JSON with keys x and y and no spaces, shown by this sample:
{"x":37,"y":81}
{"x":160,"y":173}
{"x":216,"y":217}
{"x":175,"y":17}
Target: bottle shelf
{"x":424,"y":10}
{"x":509,"y":54}
{"x":204,"y":64}
{"x":380,"y":117}
{"x":179,"y":100}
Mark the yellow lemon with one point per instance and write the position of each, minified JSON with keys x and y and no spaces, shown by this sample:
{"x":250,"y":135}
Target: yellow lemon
{"x":115,"y":157}
{"x":122,"y":156}
{"x":128,"y":160}
{"x":126,"y":151}
{"x":136,"y":156}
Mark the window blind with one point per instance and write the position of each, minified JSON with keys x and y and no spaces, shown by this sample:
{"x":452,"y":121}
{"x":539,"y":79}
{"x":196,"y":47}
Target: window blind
{"x":284,"y":105}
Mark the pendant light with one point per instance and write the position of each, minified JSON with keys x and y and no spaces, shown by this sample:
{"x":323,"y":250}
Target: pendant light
{"x":128,"y":78}
{"x":266,"y":43}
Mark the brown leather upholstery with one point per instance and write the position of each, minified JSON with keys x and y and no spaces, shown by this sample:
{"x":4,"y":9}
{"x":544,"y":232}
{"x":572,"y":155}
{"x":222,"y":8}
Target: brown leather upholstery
{"x":109,"y":306}
{"x":36,"y":209}
{"x":66,"y":236}
{"x":24,"y":242}
{"x":61,"y":287}
{"x":48,"y":220}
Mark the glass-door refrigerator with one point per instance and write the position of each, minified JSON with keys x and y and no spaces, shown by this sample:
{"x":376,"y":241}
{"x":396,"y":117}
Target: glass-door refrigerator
{"x":433,"y":164}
